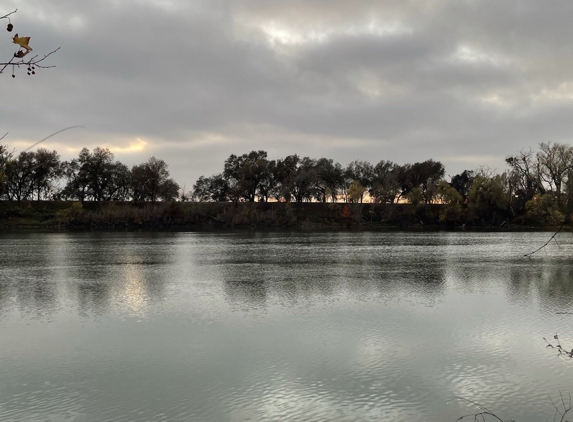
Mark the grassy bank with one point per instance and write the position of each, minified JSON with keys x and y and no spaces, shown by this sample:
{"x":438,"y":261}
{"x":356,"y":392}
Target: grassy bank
{"x":62,"y":214}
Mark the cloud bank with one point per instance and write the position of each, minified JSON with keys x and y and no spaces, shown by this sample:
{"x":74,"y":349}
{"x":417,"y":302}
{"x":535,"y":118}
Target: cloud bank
{"x":465,"y":82}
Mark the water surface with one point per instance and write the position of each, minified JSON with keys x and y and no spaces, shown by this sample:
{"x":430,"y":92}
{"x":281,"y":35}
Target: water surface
{"x":368,"y":326}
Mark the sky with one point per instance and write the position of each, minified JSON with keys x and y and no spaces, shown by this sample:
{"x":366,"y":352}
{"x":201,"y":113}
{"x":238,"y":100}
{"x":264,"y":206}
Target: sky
{"x":465,"y":82}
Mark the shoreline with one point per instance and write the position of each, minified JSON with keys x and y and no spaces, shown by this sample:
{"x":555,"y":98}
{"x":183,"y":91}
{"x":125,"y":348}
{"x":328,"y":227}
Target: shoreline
{"x":262,"y":216}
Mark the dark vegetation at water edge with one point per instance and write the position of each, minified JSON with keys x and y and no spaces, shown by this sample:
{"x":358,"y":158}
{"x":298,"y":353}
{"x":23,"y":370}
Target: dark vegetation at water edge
{"x":213,"y":215}
{"x":121,"y":214}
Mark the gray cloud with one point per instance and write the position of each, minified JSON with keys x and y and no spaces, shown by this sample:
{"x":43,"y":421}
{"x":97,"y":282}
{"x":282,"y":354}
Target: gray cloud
{"x":466,"y":82}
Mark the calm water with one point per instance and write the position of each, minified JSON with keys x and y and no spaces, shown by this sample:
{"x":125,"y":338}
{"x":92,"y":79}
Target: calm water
{"x":281,"y":326}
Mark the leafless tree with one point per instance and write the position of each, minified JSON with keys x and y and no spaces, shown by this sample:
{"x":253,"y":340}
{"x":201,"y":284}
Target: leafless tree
{"x":555,"y":160}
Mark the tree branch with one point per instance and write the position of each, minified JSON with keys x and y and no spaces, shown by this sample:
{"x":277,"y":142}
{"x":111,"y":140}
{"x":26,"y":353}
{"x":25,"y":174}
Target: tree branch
{"x":8,"y":14}
{"x":33,"y":61}
{"x":16,"y":61}
{"x":484,"y":411}
{"x":551,"y":238}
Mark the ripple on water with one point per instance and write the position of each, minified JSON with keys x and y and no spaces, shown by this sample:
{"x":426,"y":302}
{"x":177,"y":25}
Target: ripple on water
{"x":280,"y":326}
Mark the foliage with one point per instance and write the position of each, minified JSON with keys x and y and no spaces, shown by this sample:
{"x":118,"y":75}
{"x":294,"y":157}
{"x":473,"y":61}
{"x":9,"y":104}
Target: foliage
{"x":385,"y":186}
{"x":488,"y":196}
{"x":70,"y":214}
{"x":96,"y":176}
{"x":463,"y":182}
{"x":150,"y":182}
{"x":415,"y":196}
{"x":28,"y":174}
{"x":246,"y":173}
{"x":482,"y":196}
{"x":544,"y":209}
{"x":356,"y":191}
{"x":452,"y":200}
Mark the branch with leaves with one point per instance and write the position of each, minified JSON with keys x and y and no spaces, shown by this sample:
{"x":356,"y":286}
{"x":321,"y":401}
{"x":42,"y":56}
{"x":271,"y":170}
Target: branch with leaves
{"x":17,"y":61}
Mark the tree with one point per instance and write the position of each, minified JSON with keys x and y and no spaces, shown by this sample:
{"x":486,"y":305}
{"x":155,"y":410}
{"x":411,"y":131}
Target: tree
{"x":385,"y":185}
{"x":415,"y":196}
{"x":285,"y":171}
{"x":302,"y":181}
{"x":524,"y":177}
{"x":363,"y":173}
{"x":269,"y":183}
{"x":245,"y":173}
{"x":47,"y":169}
{"x":5,"y":157}
{"x":150,"y":182}
{"x":18,"y":60}
{"x":544,"y":210}
{"x":356,"y":191}
{"x":19,"y":177}
{"x":215,"y":188}
{"x":488,"y":196}
{"x":329,"y":179}
{"x":451,"y":201}
{"x":425,"y":175}
{"x":555,"y":161}
{"x":96,"y":176}
{"x":462,"y":183}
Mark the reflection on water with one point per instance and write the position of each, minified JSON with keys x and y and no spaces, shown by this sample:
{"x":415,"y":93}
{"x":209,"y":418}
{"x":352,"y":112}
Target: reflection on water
{"x":280,"y":326}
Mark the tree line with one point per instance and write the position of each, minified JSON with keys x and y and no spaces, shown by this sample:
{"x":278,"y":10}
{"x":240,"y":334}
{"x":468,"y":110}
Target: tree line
{"x":253,"y":177}
{"x":92,"y":176}
{"x":536,"y":187}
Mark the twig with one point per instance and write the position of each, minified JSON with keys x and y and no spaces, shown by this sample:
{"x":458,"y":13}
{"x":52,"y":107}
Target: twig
{"x":559,"y":348}
{"x":8,"y":14}
{"x":551,"y":238}
{"x":484,"y":411}
{"x":33,"y":61}
{"x":3,"y":136}
{"x":566,"y":408}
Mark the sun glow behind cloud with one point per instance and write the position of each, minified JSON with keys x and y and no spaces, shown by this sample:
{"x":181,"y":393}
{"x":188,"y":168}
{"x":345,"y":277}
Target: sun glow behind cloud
{"x":136,"y":146}
{"x":133,"y":146}
{"x":467,"y":54}
{"x":280,"y":34}
{"x":562,"y":93}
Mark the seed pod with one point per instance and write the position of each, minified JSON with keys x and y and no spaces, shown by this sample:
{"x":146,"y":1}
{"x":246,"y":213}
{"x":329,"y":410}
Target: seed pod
{"x":10,"y":27}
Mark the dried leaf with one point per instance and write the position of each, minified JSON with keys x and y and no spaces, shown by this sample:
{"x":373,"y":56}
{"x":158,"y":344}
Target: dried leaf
{"x":20,"y":53}
{"x":22,"y":42}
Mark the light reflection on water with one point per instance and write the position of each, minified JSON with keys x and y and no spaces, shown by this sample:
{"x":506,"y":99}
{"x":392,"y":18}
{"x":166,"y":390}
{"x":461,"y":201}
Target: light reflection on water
{"x":281,"y":326}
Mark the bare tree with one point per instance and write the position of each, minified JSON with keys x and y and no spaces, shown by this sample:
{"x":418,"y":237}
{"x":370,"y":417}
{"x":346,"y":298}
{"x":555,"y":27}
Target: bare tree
{"x":555,"y":160}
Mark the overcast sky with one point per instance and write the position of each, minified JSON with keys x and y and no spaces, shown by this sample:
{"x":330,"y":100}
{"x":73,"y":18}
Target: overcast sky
{"x":191,"y":82}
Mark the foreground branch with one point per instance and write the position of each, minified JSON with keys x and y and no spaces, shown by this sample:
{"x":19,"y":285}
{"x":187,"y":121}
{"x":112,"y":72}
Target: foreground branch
{"x":17,"y":60}
{"x":551,"y":238}
{"x":558,"y":347}
{"x":6,"y":16}
{"x":479,"y":416}
{"x":31,"y":63}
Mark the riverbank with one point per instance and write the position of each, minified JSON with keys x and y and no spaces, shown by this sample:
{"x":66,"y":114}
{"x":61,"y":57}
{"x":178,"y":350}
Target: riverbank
{"x":209,"y":215}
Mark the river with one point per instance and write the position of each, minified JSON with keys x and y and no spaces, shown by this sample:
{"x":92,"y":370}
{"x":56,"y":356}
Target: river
{"x":285,"y":326}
